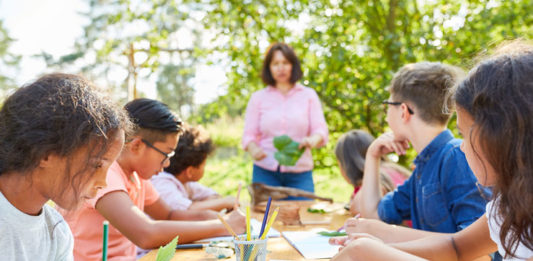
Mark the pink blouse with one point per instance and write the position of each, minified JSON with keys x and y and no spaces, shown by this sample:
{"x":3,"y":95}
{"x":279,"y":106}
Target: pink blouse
{"x":297,"y":114}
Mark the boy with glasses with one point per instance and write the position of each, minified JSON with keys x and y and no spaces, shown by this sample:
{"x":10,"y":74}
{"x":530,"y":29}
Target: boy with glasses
{"x":441,"y":195}
{"x":129,"y":195}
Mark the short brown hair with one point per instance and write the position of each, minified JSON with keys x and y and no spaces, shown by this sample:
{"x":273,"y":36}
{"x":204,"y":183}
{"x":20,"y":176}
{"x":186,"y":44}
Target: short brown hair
{"x":193,"y":148}
{"x":428,"y":86}
{"x":288,"y":52}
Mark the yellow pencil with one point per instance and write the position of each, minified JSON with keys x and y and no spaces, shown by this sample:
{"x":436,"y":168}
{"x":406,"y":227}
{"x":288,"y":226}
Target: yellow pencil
{"x":270,"y":222}
{"x":248,"y":230}
{"x":228,"y":227}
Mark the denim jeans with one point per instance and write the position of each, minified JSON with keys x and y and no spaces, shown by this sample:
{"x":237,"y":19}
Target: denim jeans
{"x":299,"y":180}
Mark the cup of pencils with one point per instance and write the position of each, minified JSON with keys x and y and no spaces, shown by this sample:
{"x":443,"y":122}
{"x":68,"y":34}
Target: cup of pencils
{"x":250,"y":250}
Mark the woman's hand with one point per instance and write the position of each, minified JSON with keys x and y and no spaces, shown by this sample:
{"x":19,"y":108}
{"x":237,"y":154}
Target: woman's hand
{"x":311,"y":141}
{"x":256,"y":152}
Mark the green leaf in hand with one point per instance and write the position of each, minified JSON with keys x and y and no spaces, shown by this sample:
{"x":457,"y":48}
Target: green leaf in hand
{"x":167,"y":252}
{"x":288,"y":152}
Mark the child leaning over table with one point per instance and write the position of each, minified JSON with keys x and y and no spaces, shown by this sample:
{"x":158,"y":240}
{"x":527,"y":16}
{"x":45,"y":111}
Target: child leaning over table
{"x":136,"y":213}
{"x":178,"y":185}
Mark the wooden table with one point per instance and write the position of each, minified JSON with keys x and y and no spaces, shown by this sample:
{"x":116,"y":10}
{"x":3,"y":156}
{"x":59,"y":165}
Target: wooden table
{"x":279,"y":248}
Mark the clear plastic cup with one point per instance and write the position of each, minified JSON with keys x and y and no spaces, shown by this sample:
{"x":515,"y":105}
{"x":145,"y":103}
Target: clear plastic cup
{"x":254,"y":250}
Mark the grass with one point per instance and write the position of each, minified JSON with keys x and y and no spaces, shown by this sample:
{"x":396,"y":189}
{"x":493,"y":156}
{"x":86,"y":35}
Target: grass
{"x":231,"y":165}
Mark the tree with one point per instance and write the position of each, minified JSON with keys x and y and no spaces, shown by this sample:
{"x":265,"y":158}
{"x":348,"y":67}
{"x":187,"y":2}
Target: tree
{"x":351,"y":49}
{"x":8,"y":60}
{"x":133,"y":40}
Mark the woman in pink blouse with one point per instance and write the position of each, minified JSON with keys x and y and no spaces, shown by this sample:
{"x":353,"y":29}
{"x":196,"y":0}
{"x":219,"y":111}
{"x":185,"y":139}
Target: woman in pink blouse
{"x":284,"y":107}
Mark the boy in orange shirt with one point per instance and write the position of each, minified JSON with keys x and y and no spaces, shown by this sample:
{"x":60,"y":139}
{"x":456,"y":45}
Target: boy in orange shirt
{"x":129,"y":195}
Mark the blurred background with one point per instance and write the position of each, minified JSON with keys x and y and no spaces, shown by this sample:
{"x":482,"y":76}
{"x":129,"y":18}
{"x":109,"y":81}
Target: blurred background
{"x":203,"y":58}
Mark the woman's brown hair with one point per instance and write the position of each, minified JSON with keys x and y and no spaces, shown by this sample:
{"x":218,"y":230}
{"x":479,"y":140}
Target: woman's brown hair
{"x":498,"y":94}
{"x":288,"y":52}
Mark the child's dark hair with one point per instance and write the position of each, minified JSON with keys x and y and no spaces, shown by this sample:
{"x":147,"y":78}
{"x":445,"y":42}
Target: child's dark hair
{"x":288,"y":52}
{"x":498,"y":94}
{"x":153,"y":119}
{"x":427,"y":85}
{"x":194,"y":146}
{"x":58,"y":113}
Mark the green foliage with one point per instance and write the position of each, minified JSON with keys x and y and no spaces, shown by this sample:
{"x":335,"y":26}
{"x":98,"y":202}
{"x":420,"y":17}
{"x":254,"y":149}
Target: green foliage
{"x":8,"y":60}
{"x":351,"y":49}
{"x":167,"y":252}
{"x":288,"y":152}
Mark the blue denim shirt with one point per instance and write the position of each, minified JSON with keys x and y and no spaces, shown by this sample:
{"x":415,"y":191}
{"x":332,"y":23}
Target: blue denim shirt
{"x":441,"y":195}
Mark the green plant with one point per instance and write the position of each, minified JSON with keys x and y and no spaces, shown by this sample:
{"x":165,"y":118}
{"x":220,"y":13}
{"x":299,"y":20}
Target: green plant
{"x":288,"y":152}
{"x":165,"y":253}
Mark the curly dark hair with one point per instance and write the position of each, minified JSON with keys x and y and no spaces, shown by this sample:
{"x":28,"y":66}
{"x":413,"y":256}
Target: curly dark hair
{"x":194,"y":146}
{"x":498,"y":94}
{"x":58,"y":113}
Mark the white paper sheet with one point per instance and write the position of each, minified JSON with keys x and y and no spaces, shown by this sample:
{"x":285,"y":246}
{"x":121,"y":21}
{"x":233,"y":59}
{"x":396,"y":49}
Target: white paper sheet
{"x":310,"y":244}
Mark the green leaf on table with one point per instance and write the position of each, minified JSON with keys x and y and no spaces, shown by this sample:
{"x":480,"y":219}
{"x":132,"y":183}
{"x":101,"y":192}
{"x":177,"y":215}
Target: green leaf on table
{"x":332,"y":233}
{"x":288,"y":152}
{"x":316,"y":210}
{"x":167,"y":252}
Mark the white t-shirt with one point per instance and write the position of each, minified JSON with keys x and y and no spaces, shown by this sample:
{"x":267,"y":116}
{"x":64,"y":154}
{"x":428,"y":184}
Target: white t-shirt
{"x":522,"y":252}
{"x":178,"y":195}
{"x":25,"y":237}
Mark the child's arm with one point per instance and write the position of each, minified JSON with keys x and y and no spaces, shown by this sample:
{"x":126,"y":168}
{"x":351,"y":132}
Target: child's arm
{"x":146,"y":233}
{"x":385,"y":232}
{"x":215,"y":204}
{"x":370,"y":189}
{"x":160,"y":210}
{"x":468,"y":244}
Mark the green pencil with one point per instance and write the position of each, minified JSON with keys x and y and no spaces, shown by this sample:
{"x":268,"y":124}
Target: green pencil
{"x":104,"y":248}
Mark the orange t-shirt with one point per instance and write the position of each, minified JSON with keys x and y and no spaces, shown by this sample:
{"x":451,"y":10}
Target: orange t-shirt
{"x":86,"y":223}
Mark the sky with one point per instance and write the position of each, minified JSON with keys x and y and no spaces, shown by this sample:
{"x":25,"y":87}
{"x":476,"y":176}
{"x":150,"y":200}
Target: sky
{"x":53,"y":26}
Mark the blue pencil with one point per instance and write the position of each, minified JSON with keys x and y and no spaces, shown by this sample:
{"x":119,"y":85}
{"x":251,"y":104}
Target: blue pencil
{"x":265,"y":217}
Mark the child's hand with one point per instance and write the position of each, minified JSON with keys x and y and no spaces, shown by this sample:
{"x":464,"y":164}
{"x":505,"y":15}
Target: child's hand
{"x":385,"y":144}
{"x":237,"y":221}
{"x":346,"y":240}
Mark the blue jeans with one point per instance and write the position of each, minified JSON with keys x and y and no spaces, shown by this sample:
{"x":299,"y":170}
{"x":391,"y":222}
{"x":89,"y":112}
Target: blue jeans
{"x":299,"y":180}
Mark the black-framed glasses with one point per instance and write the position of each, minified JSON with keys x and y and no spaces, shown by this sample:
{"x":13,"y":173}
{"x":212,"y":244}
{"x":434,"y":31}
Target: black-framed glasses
{"x":167,"y":156}
{"x":385,"y":102}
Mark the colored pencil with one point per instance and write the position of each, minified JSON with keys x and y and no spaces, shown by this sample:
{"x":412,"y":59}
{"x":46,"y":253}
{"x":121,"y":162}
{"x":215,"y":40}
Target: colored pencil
{"x":248,"y":229}
{"x":265,"y":217}
{"x":270,"y":222}
{"x":105,"y":236}
{"x":228,"y":227}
